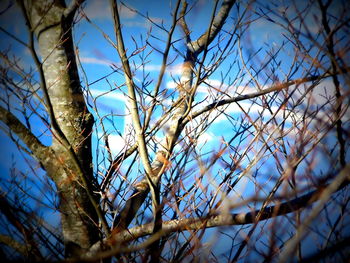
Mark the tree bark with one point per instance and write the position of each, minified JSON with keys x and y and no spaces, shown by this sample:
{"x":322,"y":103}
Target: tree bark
{"x":71,"y":123}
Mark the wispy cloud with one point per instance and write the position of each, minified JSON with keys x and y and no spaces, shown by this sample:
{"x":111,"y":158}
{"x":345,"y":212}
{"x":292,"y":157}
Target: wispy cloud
{"x":93,"y":60}
{"x":204,"y":138}
{"x":102,"y":10}
{"x":214,"y":86}
{"x":117,"y":143}
{"x":116,"y":95}
{"x":171,"y":70}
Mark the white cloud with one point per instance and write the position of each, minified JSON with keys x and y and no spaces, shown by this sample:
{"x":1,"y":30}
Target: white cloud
{"x":254,"y":110}
{"x":320,"y":94}
{"x":92,"y":60}
{"x":98,"y":10}
{"x":156,"y":20}
{"x":126,"y":12}
{"x":215,"y":86}
{"x":171,"y":70}
{"x":152,"y":67}
{"x":141,"y":24}
{"x":116,"y":95}
{"x":174,"y":70}
{"x":102,"y":10}
{"x":171,"y":85}
{"x":205,"y":138}
{"x":116,"y":143}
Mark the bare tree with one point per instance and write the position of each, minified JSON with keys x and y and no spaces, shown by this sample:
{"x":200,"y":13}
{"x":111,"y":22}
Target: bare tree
{"x":235,"y":138}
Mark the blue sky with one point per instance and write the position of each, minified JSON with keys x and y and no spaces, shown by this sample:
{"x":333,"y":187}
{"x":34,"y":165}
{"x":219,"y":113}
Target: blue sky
{"x":99,"y":58}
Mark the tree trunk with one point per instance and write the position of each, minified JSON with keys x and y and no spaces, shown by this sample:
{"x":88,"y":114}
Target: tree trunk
{"x":53,"y":31}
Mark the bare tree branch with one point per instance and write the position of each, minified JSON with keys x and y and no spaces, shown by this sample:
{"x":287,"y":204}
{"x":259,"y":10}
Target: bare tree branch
{"x":336,"y":82}
{"x":150,"y":175}
{"x":72,"y":8}
{"x":9,"y":241}
{"x":322,"y":198}
{"x":198,"y":45}
{"x":31,"y":247}
{"x":209,"y":148}
{"x":163,"y":65}
{"x":188,"y":224}
{"x":277,"y":87}
{"x":40,"y":151}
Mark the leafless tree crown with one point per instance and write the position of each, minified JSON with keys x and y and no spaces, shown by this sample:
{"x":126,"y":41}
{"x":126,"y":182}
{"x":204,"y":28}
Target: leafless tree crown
{"x":179,"y":131}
